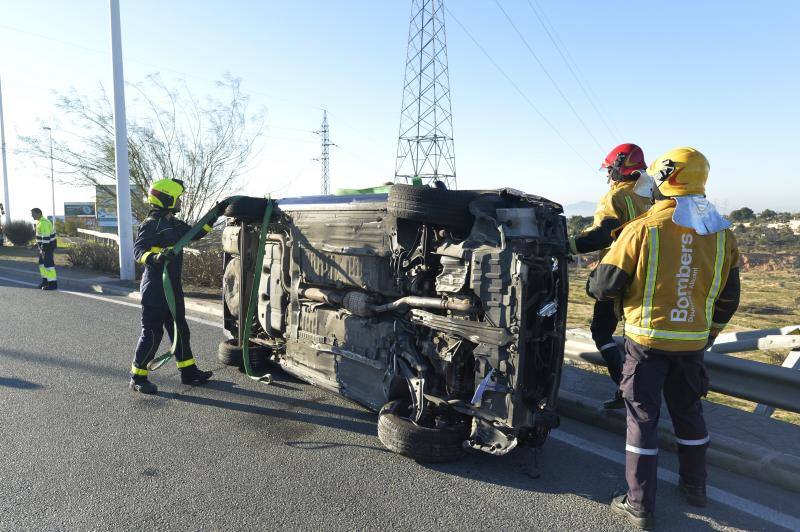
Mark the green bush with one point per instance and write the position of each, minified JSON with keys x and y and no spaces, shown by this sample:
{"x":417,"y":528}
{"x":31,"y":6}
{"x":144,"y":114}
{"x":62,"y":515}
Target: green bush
{"x":67,"y":228}
{"x":19,"y":232}
{"x":203,"y":269}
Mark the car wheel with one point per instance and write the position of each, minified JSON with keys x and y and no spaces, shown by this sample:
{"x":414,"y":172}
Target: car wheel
{"x":247,"y":208}
{"x":230,"y":354}
{"x":424,"y":444}
{"x":449,"y":208}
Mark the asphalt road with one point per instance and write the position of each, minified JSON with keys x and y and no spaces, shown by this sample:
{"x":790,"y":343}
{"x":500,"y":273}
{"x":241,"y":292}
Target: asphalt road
{"x":79,"y":451}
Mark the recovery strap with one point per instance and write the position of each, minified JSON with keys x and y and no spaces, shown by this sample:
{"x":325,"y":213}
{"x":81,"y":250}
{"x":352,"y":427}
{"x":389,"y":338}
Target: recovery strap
{"x":169,"y":292}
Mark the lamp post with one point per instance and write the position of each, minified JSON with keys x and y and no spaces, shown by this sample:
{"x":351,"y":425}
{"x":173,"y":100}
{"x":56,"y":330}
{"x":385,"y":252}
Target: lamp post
{"x":52,"y":177}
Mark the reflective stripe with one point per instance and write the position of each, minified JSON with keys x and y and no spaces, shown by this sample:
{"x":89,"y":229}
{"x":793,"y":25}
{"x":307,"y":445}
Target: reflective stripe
{"x":185,"y":363}
{"x":716,"y":325}
{"x":667,"y":335}
{"x":701,"y":441}
{"x":639,"y":450}
{"x":607,"y":346}
{"x":713,"y":292}
{"x":138,"y":371}
{"x":631,"y":208}
{"x":207,"y":228}
{"x":650,"y":282}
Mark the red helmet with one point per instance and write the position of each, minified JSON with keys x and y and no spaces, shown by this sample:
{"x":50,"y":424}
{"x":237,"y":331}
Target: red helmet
{"x":623,"y":161}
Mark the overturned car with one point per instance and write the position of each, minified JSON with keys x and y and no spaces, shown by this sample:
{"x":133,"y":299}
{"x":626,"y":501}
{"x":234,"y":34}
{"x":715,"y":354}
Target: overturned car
{"x":444,"y":310}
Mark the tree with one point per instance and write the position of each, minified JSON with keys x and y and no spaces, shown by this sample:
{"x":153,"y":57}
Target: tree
{"x":576,"y":224}
{"x":768,"y":215}
{"x":745,"y":214}
{"x":170,"y":135}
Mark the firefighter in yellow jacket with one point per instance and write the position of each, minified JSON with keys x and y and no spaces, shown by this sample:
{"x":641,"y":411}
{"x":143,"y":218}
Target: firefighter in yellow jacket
{"x":621,"y":204}
{"x":676,"y":271}
{"x":46,"y":242}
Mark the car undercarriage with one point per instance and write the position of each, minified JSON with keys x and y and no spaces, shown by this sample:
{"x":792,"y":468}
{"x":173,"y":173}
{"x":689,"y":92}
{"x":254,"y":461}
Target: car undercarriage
{"x":442,"y":310}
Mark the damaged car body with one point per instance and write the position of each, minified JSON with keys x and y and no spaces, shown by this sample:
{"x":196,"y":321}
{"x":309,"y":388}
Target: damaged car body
{"x":443,"y":310}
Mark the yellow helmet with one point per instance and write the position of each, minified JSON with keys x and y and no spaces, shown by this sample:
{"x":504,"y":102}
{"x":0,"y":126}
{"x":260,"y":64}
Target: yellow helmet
{"x":164,"y":193}
{"x":680,"y":172}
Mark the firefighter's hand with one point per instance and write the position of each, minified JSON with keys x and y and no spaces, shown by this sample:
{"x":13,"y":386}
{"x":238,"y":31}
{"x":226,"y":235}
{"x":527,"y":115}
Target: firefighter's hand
{"x":159,"y":258}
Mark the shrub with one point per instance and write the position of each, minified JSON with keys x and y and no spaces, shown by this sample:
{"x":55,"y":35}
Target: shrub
{"x":19,"y":232}
{"x":203,"y":269}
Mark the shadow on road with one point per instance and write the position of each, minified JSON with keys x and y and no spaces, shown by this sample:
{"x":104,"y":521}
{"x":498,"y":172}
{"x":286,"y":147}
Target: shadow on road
{"x":20,"y":384}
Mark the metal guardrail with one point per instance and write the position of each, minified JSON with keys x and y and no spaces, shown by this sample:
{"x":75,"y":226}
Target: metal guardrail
{"x":110,"y":239}
{"x":770,"y":386}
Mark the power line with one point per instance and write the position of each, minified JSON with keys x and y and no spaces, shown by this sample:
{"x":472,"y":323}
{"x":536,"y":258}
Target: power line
{"x":563,"y":51}
{"x":521,"y":93}
{"x":547,"y":73}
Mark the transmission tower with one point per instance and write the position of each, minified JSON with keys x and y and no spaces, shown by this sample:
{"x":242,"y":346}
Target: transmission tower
{"x":425,"y":145}
{"x":324,"y":158}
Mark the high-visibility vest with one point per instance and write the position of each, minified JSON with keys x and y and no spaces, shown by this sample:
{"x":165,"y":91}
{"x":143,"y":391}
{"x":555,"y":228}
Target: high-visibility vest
{"x":45,"y":232}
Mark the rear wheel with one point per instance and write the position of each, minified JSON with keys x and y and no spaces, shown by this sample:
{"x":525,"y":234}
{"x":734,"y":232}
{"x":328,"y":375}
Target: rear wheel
{"x":247,"y":208}
{"x":442,"y":442}
{"x":230,"y":354}
{"x":449,"y":208}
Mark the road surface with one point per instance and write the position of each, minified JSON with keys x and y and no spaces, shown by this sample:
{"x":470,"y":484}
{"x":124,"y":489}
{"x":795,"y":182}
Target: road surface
{"x":79,"y":451}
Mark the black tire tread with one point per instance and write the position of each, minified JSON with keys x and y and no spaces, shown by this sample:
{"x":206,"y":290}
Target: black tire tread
{"x":422,"y":444}
{"x":448,"y":208}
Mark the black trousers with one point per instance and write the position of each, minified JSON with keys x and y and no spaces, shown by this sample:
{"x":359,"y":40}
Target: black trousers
{"x":604,"y":323}
{"x":683,"y":380}
{"x":47,"y":265}
{"x":154,"y":320}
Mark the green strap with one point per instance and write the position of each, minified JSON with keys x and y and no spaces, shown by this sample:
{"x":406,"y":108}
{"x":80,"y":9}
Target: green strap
{"x":169,"y":291}
{"x":252,"y":304}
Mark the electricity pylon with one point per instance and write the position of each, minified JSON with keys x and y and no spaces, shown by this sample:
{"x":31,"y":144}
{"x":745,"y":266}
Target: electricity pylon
{"x":425,"y":144}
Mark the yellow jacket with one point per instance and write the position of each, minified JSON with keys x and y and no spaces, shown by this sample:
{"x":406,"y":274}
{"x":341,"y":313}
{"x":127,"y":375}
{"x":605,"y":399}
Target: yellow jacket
{"x":616,"y":208}
{"x":677,"y":287}
{"x":45,"y":233}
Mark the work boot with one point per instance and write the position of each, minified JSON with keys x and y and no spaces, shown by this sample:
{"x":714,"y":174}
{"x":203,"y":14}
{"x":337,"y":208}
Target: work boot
{"x":615,"y":402}
{"x":143,"y":386}
{"x":51,"y":285}
{"x":640,"y":518}
{"x":43,"y":283}
{"x":193,"y":375}
{"x":695,"y":495}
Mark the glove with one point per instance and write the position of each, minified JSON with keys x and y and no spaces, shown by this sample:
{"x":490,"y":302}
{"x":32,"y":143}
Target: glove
{"x":159,"y":258}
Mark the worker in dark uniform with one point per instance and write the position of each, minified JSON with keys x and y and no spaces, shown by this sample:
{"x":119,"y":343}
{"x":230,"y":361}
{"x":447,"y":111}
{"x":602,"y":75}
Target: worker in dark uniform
{"x":157,"y":234}
{"x":676,"y":271}
{"x":623,"y":166}
{"x":46,"y":242}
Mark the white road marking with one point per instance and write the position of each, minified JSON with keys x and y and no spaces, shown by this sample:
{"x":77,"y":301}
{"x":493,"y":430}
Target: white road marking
{"x":716,"y":494}
{"x":115,"y":301}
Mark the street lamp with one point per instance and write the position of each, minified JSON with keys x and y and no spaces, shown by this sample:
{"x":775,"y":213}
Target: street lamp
{"x":52,"y":178}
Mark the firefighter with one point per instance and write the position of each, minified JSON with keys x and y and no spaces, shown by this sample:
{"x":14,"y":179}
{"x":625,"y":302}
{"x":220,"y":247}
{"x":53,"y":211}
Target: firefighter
{"x":46,"y":242}
{"x":676,"y":271}
{"x":157,"y":234}
{"x":623,"y":166}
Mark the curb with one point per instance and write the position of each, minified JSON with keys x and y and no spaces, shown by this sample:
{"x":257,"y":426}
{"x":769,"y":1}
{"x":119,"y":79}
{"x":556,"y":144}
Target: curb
{"x":772,"y":467}
{"x":96,"y":286}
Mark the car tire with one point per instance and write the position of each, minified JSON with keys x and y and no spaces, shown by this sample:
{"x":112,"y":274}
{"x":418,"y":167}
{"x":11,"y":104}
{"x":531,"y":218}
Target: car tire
{"x":449,"y":208}
{"x":247,"y":208}
{"x":230,"y":353}
{"x":423,"y":444}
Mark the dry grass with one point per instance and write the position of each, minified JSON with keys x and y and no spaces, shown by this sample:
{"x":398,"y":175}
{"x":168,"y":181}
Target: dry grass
{"x":769,"y":299}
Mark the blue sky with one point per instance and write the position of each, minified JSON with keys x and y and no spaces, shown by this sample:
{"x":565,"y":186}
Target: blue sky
{"x":722,"y":77}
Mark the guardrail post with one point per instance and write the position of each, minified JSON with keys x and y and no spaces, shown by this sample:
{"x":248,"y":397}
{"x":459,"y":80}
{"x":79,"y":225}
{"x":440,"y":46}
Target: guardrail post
{"x":792,"y":362}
